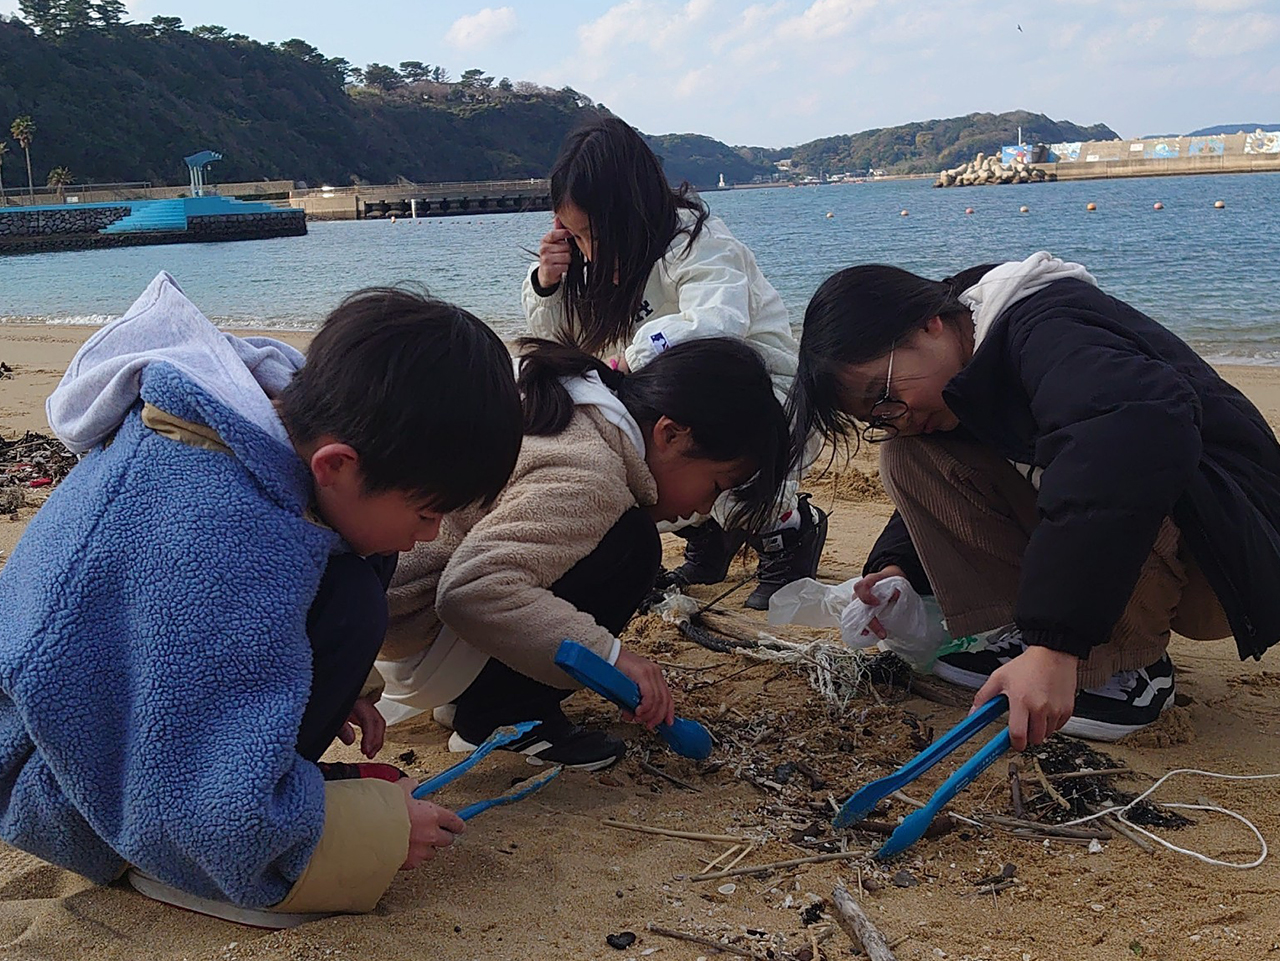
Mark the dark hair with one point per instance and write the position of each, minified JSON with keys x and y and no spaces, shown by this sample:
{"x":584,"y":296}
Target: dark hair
{"x":422,"y":390}
{"x":718,"y":387}
{"x":606,"y":170}
{"x":857,"y":315}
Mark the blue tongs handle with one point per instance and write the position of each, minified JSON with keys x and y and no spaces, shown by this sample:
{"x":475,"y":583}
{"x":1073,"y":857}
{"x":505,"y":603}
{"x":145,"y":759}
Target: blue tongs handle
{"x":917,"y":822}
{"x":511,"y":797}
{"x":687,"y":738}
{"x":503,"y":735}
{"x":864,"y":800}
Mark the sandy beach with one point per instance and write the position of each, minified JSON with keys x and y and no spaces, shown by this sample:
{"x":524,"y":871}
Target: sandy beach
{"x":549,"y":879}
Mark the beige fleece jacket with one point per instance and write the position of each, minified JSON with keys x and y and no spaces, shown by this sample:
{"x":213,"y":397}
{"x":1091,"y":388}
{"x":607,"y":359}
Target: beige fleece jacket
{"x":488,"y":575}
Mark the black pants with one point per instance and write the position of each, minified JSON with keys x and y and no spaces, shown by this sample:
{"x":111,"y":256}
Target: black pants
{"x":609,"y":584}
{"x":346,"y":624}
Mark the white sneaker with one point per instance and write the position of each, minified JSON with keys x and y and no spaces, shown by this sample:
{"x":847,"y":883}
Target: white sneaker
{"x":443,"y":715}
{"x":157,"y":890}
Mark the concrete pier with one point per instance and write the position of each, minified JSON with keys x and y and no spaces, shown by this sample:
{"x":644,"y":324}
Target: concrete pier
{"x":422,"y":200}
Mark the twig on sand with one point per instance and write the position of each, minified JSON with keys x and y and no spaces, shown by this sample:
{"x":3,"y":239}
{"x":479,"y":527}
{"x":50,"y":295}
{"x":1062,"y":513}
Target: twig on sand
{"x":777,"y":865}
{"x":667,"y":833}
{"x":698,"y":939}
{"x":1049,"y":789}
{"x":658,"y":772}
{"x":1105,"y":772}
{"x":1080,"y":832}
{"x":859,"y":927}
{"x":1015,"y":790}
{"x":1121,"y":828}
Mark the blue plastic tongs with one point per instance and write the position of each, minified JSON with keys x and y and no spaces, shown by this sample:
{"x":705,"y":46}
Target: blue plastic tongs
{"x":915,"y":824}
{"x":501,"y":736}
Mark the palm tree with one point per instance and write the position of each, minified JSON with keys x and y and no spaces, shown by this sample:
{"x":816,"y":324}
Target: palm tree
{"x":59,"y":177}
{"x":22,"y":130}
{"x":4,"y":149}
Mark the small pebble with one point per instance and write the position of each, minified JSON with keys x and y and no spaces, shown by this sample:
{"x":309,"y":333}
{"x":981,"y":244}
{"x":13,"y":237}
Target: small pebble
{"x":1097,"y":907}
{"x":727,"y":888}
{"x":618,"y":893}
{"x":620,"y":941}
{"x":1095,"y":846}
{"x":871,"y":884}
{"x":1008,"y":871}
{"x":903,"y":879}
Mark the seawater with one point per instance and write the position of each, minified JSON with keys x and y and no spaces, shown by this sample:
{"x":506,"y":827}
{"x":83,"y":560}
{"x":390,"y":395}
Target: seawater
{"x":1211,"y":275}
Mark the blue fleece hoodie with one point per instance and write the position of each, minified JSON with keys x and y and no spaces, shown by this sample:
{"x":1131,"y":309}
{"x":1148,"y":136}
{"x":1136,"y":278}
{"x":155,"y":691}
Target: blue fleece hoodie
{"x":154,"y":661}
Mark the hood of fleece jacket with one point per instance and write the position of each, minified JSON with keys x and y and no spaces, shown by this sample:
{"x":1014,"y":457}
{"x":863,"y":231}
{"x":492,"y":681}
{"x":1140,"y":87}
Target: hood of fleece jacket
{"x":104,"y":378}
{"x":1003,"y":286}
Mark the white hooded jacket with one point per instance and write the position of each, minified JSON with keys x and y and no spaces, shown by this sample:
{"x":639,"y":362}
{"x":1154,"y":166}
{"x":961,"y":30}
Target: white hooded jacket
{"x":712,"y":288}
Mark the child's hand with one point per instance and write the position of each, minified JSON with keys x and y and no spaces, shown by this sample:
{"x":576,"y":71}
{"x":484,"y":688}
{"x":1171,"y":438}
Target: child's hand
{"x":862,"y":590}
{"x":553,"y":256}
{"x":656,"y":706}
{"x":1041,"y":686}
{"x":431,"y":827}
{"x":373,"y":727}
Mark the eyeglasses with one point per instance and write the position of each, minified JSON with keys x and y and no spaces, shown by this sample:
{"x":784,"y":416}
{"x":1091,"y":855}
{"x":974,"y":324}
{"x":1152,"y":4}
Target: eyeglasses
{"x":880,"y":420}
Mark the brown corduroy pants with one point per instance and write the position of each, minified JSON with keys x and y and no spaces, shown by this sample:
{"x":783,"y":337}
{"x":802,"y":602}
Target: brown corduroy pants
{"x":970,"y":514}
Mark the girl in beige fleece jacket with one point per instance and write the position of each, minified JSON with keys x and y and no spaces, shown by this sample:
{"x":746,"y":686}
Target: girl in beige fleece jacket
{"x":571,"y":547}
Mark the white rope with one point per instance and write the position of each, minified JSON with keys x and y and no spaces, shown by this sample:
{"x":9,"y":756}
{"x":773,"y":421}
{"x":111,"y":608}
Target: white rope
{"x":1119,"y":812}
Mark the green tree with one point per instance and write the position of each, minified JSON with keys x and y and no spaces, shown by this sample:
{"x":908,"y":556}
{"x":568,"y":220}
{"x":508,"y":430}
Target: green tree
{"x":44,"y":15}
{"x":475,"y":78}
{"x":4,"y":149}
{"x":439,"y":75}
{"x":76,"y":14}
{"x":302,"y":50}
{"x":166,"y":24}
{"x":108,"y":13}
{"x":210,"y":31}
{"x":59,"y":177}
{"x":383,"y":77}
{"x":22,"y":130}
{"x":415,"y":71}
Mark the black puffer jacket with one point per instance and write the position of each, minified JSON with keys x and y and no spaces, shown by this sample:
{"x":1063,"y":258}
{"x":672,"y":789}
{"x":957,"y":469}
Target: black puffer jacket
{"x":1130,"y":425}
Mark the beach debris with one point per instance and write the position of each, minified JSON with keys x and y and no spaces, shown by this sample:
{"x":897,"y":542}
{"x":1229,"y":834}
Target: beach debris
{"x":621,"y":941}
{"x":5,"y":370}
{"x":859,"y":927}
{"x":904,"y":879}
{"x":728,"y":888}
{"x":778,"y":865}
{"x":11,"y":500}
{"x":668,"y":833}
{"x":34,"y":460}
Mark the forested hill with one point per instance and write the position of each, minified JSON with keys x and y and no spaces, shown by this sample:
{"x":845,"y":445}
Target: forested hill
{"x":933,"y":145}
{"x":128,"y":102}
{"x":112,"y":101}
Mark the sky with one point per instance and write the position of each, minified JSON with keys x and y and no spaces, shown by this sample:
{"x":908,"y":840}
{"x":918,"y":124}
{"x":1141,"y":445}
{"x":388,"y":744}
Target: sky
{"x":781,"y":72}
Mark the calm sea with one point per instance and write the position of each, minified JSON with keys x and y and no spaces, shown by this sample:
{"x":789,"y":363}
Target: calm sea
{"x":1212,"y":275}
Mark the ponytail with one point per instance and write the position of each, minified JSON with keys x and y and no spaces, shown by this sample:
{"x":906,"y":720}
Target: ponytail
{"x":717,"y":387}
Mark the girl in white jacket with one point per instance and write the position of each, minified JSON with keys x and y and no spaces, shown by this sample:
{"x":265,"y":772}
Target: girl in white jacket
{"x":677,"y":274}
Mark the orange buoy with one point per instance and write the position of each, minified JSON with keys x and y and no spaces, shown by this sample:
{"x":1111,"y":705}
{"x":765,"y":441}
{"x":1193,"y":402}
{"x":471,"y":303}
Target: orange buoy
{"x":968,"y":210}
{"x":1218,"y":204}
{"x":1024,"y":210}
{"x":1157,"y":206}
{"x":1091,"y":207}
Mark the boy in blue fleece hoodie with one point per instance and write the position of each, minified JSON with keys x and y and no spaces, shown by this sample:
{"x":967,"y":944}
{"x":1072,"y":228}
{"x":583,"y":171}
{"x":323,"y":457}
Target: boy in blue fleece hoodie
{"x":190,"y":619}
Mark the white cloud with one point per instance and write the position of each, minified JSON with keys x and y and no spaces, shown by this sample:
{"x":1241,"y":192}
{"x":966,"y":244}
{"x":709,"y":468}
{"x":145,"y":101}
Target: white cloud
{"x":825,"y":19}
{"x":1230,"y":37}
{"x":482,"y":28}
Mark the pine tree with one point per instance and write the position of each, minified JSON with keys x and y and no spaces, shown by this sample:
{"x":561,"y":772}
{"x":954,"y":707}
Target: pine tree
{"x":108,"y":13}
{"x":44,"y":15}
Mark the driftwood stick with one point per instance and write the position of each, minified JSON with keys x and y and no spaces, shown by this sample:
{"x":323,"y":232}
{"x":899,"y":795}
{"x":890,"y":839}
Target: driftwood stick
{"x":1015,"y":789}
{"x":777,"y":865}
{"x":1120,"y":827}
{"x":710,"y":865}
{"x":855,"y":921}
{"x":1105,"y":772}
{"x":738,"y":860}
{"x":666,"y":833}
{"x":1049,"y":788}
{"x":1052,"y":830}
{"x":698,"y":939}
{"x":658,"y":772}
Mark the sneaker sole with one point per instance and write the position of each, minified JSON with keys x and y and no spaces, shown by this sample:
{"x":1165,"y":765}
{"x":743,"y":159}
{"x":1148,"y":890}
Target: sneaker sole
{"x":1093,"y":730}
{"x":957,"y":675}
{"x":459,"y":745}
{"x":157,"y":890}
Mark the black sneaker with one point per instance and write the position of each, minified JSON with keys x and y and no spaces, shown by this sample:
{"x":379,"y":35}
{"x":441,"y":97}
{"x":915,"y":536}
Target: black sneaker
{"x":1127,"y":702}
{"x":708,"y":551}
{"x":580,"y":748}
{"x":789,"y":555}
{"x":972,"y":668}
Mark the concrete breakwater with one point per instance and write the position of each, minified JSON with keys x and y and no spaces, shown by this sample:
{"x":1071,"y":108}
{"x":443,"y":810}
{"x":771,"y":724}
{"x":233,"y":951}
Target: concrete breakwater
{"x":983,"y":170}
{"x":189,"y":220}
{"x":380,"y":201}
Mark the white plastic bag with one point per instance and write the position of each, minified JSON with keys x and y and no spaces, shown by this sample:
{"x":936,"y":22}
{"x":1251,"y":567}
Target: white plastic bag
{"x":913,"y":625}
